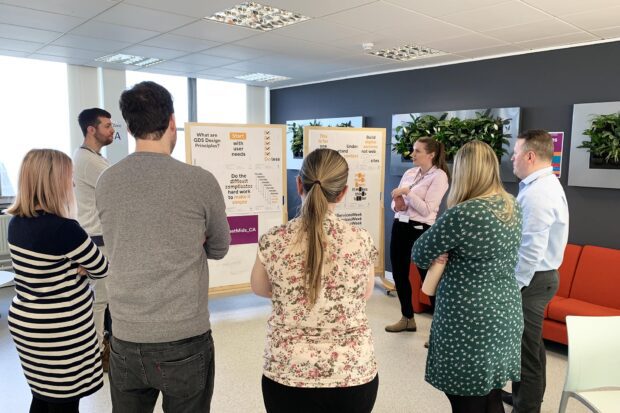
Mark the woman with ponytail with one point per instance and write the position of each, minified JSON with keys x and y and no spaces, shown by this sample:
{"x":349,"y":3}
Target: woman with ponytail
{"x":318,"y":271}
{"x":415,"y":203}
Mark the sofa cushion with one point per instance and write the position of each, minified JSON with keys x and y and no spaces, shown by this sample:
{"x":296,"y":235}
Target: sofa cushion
{"x":559,"y":309}
{"x":567,"y":269}
{"x":553,"y":300}
{"x":597,"y":278}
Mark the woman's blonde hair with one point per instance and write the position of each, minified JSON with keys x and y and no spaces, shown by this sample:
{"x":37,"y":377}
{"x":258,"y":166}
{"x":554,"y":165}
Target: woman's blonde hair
{"x":323,"y":175}
{"x":476,"y":174}
{"x":45,"y":183}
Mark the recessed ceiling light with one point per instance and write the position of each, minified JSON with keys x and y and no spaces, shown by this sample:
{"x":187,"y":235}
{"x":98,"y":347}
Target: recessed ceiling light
{"x":257,"y":16}
{"x":406,"y":53}
{"x":262,"y":77}
{"x":128,"y":59}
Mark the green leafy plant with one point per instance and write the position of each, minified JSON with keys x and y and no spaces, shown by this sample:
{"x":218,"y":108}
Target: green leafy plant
{"x":452,"y":132}
{"x":297,"y":141}
{"x":604,"y":143}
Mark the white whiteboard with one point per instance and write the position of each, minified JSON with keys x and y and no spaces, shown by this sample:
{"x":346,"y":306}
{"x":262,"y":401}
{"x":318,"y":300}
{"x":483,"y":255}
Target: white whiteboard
{"x":249,"y":163}
{"x":364,"y":150}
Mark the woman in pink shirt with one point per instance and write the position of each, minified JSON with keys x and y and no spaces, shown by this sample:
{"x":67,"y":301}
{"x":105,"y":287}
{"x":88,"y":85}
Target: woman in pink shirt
{"x":415,"y":203}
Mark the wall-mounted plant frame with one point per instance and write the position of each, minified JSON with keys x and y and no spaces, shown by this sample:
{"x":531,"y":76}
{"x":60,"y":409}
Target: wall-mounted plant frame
{"x":579,"y":171}
{"x":294,"y":145}
{"x":398,"y":165}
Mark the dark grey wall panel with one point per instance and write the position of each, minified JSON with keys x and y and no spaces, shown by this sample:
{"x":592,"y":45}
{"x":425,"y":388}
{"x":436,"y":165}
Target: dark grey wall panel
{"x":545,"y":85}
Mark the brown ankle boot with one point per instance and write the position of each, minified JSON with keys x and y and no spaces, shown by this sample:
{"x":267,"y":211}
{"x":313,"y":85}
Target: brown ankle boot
{"x":404,"y":324}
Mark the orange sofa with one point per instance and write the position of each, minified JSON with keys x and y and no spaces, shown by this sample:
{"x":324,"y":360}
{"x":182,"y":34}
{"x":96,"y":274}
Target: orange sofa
{"x":589,"y":286}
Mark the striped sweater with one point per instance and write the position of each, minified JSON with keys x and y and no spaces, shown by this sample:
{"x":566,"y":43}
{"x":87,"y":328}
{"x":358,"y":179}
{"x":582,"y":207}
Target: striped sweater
{"x":51,"y":316}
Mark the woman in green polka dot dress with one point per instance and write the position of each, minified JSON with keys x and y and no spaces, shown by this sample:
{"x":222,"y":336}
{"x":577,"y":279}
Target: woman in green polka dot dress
{"x":475,"y":343}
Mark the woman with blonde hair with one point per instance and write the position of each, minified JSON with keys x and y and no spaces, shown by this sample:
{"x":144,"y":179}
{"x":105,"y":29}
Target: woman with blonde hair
{"x":318,"y":271}
{"x":475,"y":342}
{"x":51,"y":316}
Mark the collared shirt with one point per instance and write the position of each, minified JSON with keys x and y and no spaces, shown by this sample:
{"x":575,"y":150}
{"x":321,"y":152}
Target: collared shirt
{"x":545,"y":225}
{"x":425,"y":194}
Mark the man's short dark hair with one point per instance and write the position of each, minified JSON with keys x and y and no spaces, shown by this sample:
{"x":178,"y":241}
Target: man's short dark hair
{"x":147,"y":108}
{"x":90,"y":117}
{"x":538,"y":141}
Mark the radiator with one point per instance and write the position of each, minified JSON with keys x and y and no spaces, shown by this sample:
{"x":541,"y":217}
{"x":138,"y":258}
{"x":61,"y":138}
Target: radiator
{"x":4,"y":232}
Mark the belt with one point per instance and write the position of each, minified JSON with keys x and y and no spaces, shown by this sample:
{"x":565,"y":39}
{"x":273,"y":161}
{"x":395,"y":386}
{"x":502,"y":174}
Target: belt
{"x":98,"y":240}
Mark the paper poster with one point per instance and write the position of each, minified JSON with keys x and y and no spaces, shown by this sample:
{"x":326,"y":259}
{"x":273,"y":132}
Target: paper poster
{"x":558,"y":145}
{"x":363,"y":148}
{"x":248,"y":163}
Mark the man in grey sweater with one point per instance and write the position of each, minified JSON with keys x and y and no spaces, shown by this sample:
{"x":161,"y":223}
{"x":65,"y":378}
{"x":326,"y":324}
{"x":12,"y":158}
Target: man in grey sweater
{"x":161,"y":220}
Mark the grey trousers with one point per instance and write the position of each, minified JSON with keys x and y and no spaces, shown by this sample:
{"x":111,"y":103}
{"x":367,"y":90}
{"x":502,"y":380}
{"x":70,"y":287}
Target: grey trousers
{"x":527,"y":395}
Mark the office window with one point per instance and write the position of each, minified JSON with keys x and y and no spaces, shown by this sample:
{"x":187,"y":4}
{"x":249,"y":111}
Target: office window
{"x":177,"y":86}
{"x":35,"y":112}
{"x":221,"y":102}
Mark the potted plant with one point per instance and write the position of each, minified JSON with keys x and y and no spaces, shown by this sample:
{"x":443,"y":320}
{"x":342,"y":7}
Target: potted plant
{"x":297,"y":142}
{"x":604,"y":143}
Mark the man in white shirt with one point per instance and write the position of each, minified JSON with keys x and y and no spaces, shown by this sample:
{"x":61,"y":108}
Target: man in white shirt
{"x":88,"y":165}
{"x":545,"y":234}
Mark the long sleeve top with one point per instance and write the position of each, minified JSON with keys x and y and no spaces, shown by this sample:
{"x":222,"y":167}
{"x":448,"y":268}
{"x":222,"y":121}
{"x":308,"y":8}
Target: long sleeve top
{"x":425,"y":194}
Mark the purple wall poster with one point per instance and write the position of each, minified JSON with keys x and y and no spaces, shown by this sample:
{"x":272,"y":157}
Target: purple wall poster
{"x":558,"y":144}
{"x":243,"y":229}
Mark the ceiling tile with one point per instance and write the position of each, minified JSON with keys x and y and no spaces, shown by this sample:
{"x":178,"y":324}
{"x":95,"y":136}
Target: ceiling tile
{"x":113,"y":32}
{"x":557,"y":41}
{"x":69,"y":52}
{"x":192,"y":8}
{"x":232,"y":51}
{"x":374,"y":17}
{"x":441,"y":8}
{"x":19,"y":45}
{"x":90,"y":43}
{"x":532,"y":31}
{"x":288,"y":45}
{"x":492,"y":51}
{"x":13,"y":53}
{"x":317,"y":8}
{"x":214,"y":31}
{"x":188,"y":44}
{"x":463,"y":43}
{"x":610,"y":33}
{"x":158,"y":52}
{"x":27,"y":34}
{"x":595,"y":19}
{"x":179,"y":67}
{"x":564,"y":7}
{"x":37,"y":19}
{"x":320,"y":31}
{"x":223,"y":72}
{"x":496,"y":16}
{"x":422,"y":29}
{"x":77,"y":8}
{"x":143,"y":18}
{"x":61,"y":59}
{"x":205,"y":60}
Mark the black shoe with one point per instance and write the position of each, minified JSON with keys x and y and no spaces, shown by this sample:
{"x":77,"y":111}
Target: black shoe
{"x":507,"y":397}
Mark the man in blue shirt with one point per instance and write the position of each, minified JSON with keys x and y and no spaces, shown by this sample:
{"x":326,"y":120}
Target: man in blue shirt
{"x":545,"y":234}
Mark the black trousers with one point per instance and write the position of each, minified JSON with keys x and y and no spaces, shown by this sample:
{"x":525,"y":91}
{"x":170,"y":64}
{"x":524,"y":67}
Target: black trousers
{"x":279,"y":398}
{"x":527,"y":395}
{"x":404,"y":234}
{"x":491,"y":403}
{"x":41,"y":406}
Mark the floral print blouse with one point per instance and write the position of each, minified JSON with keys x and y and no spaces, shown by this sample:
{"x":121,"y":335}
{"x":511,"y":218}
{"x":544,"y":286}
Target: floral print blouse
{"x":329,"y":344}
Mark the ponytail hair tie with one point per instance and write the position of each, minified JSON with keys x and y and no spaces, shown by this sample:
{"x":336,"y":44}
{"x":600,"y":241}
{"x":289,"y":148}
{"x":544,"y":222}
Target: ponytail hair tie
{"x":316,"y":182}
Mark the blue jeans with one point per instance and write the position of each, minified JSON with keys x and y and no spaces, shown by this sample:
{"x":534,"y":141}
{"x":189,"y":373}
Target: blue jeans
{"x":183,"y":371}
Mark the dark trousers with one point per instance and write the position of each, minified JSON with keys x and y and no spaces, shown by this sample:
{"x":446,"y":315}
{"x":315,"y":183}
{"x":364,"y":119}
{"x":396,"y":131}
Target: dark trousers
{"x":491,"y":403}
{"x":41,"y":406}
{"x":528,"y":394}
{"x":279,"y":398}
{"x":183,"y":371}
{"x":404,"y":234}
